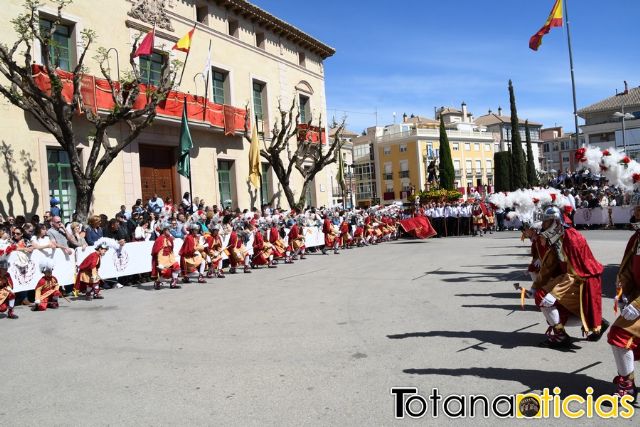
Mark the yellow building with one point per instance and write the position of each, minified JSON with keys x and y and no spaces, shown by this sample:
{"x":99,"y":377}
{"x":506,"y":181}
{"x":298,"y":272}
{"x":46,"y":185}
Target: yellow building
{"x":404,"y":151}
{"x":257,"y":60}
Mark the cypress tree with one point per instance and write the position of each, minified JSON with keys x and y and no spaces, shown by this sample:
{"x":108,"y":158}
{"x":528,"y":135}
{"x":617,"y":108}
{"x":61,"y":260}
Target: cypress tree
{"x":502,"y":162}
{"x":532,"y":176}
{"x":447,"y":174}
{"x":519,"y":178}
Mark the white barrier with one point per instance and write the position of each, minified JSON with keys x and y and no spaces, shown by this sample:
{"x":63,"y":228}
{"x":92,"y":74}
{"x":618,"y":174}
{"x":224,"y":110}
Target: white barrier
{"x":601,"y":216}
{"x":132,"y":258}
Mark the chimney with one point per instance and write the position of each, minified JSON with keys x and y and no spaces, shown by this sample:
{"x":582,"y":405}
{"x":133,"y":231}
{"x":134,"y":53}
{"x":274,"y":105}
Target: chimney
{"x":464,"y":112}
{"x":626,"y":87}
{"x":499,"y":111}
{"x":490,"y":112}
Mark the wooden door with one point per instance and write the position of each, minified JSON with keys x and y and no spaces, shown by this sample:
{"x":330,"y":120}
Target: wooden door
{"x":157,"y":171}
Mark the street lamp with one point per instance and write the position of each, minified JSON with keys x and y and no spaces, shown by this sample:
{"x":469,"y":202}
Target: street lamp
{"x":624,"y":116}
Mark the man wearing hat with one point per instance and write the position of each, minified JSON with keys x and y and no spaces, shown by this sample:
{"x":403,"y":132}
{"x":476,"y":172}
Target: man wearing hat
{"x":330,"y":236}
{"x":190,"y":255}
{"x":296,"y":240}
{"x":163,"y":260}
{"x":48,"y":288}
{"x":215,"y":252}
{"x":7,"y":297}
{"x":624,"y":335}
{"x":569,"y":281}
{"x":88,"y":280}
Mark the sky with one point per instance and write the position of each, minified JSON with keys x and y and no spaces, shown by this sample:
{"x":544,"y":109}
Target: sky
{"x":411,"y":56}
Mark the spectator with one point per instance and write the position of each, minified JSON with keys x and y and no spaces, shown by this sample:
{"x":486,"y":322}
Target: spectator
{"x":137,"y":208}
{"x":55,"y":209}
{"x":41,"y":241}
{"x":35,"y":220}
{"x":155,"y":204}
{"x":59,"y":235}
{"x":176,"y":230}
{"x":168,"y":209}
{"x":123,"y":212}
{"x":79,"y":235}
{"x":116,"y":232}
{"x":94,"y":232}
{"x":186,"y":203}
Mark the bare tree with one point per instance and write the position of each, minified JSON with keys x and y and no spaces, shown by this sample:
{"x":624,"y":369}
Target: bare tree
{"x":56,"y":114}
{"x":290,"y":148}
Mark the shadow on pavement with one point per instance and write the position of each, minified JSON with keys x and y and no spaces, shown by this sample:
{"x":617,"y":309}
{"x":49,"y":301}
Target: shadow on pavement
{"x":509,"y":307}
{"x":534,"y":379}
{"x":510,"y":295}
{"x":506,"y":340}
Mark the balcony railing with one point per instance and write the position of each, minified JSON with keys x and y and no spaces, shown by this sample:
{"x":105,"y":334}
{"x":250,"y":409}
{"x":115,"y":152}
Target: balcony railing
{"x":404,"y":174}
{"x":311,"y":133}
{"x":96,"y":95}
{"x":435,"y":133}
{"x":388,"y":176}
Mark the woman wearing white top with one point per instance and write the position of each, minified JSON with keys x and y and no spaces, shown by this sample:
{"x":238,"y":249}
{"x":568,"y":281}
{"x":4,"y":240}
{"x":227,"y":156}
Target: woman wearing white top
{"x":41,"y":241}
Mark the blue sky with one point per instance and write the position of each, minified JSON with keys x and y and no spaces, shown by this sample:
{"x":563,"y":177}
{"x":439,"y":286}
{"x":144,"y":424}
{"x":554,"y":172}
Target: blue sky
{"x":411,"y":56}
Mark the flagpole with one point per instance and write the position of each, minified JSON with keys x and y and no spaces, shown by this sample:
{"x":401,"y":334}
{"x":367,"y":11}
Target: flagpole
{"x":186,"y":58}
{"x":206,"y":84}
{"x":190,"y":171}
{"x":260,"y":171}
{"x":573,"y":80}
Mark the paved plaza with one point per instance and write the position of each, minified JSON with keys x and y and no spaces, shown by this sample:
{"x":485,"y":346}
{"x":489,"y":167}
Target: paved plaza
{"x":320,"y":342}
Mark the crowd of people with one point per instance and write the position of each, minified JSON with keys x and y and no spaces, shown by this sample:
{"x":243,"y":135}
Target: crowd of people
{"x":248,"y":239}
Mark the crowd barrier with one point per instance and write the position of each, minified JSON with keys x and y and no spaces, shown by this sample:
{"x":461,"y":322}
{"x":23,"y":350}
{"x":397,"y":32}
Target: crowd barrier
{"x":132,"y":258}
{"x":613,"y":215}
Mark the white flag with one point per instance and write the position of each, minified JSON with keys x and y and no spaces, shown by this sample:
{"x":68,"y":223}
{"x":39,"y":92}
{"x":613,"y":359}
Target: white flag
{"x":207,"y":66}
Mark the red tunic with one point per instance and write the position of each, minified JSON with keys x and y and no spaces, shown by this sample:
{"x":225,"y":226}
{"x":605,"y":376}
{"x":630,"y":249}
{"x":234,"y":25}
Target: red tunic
{"x":6,"y":291}
{"x":260,"y":253}
{"x":327,"y":229}
{"x":278,"y":245}
{"x":87,"y":272}
{"x":45,"y":289}
{"x":162,"y":248}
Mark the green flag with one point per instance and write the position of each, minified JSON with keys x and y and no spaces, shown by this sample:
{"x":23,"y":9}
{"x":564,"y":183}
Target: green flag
{"x":186,"y":144}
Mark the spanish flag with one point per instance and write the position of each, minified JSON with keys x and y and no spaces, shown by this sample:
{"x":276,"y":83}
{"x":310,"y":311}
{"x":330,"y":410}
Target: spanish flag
{"x":554,"y":20}
{"x":184,"y":44}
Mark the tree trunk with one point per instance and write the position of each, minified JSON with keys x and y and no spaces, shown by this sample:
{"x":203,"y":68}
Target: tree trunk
{"x":289,"y":194}
{"x":83,"y":202}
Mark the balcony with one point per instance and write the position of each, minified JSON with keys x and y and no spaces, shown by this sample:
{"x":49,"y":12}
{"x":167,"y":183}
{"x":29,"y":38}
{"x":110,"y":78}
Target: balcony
{"x":489,"y":171}
{"x":96,"y":95}
{"x":458,"y":173}
{"x":479,"y":172}
{"x":404,"y":174}
{"x":308,"y":133}
{"x":388,"y":176}
{"x":389,"y":195}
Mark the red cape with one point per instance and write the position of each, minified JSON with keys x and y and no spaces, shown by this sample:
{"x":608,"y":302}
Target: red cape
{"x":418,"y":226}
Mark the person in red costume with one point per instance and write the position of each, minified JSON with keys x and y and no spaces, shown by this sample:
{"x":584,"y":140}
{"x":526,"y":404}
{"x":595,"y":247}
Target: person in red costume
{"x":163,"y":260}
{"x":358,"y":235}
{"x":280,"y":250}
{"x":88,"y":281}
{"x":345,"y":234}
{"x":48,"y":289}
{"x":330,"y":236}
{"x":7,"y":297}
{"x":215,"y":252}
{"x":625,"y":332}
{"x":297,"y":241}
{"x":238,"y":254}
{"x":262,"y":251}
{"x":190,"y":255}
{"x":569,"y":282}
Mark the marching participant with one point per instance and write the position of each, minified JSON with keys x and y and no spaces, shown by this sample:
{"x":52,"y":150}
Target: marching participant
{"x":163,"y":260}
{"x":7,"y":297}
{"x":296,"y":240}
{"x":624,"y":335}
{"x":330,"y":236}
{"x":262,"y":251}
{"x":478,"y":219}
{"x":280,"y":250}
{"x":88,"y":280}
{"x":215,"y":252}
{"x":569,"y":281}
{"x":358,"y":235}
{"x":191,"y":255}
{"x":238,"y":254}
{"x":47,"y":289}
{"x":345,"y":234}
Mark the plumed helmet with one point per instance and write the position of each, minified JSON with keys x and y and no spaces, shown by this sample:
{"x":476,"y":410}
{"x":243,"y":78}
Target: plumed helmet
{"x":194,"y":226}
{"x":552,"y":212}
{"x":46,"y":264}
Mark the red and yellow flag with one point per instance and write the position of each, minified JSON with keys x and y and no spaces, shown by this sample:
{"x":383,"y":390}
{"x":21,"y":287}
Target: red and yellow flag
{"x":184,"y":44}
{"x":554,"y":20}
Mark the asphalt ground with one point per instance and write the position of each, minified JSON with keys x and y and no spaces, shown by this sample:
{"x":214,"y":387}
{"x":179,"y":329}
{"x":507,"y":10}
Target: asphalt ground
{"x":319,"y":342}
